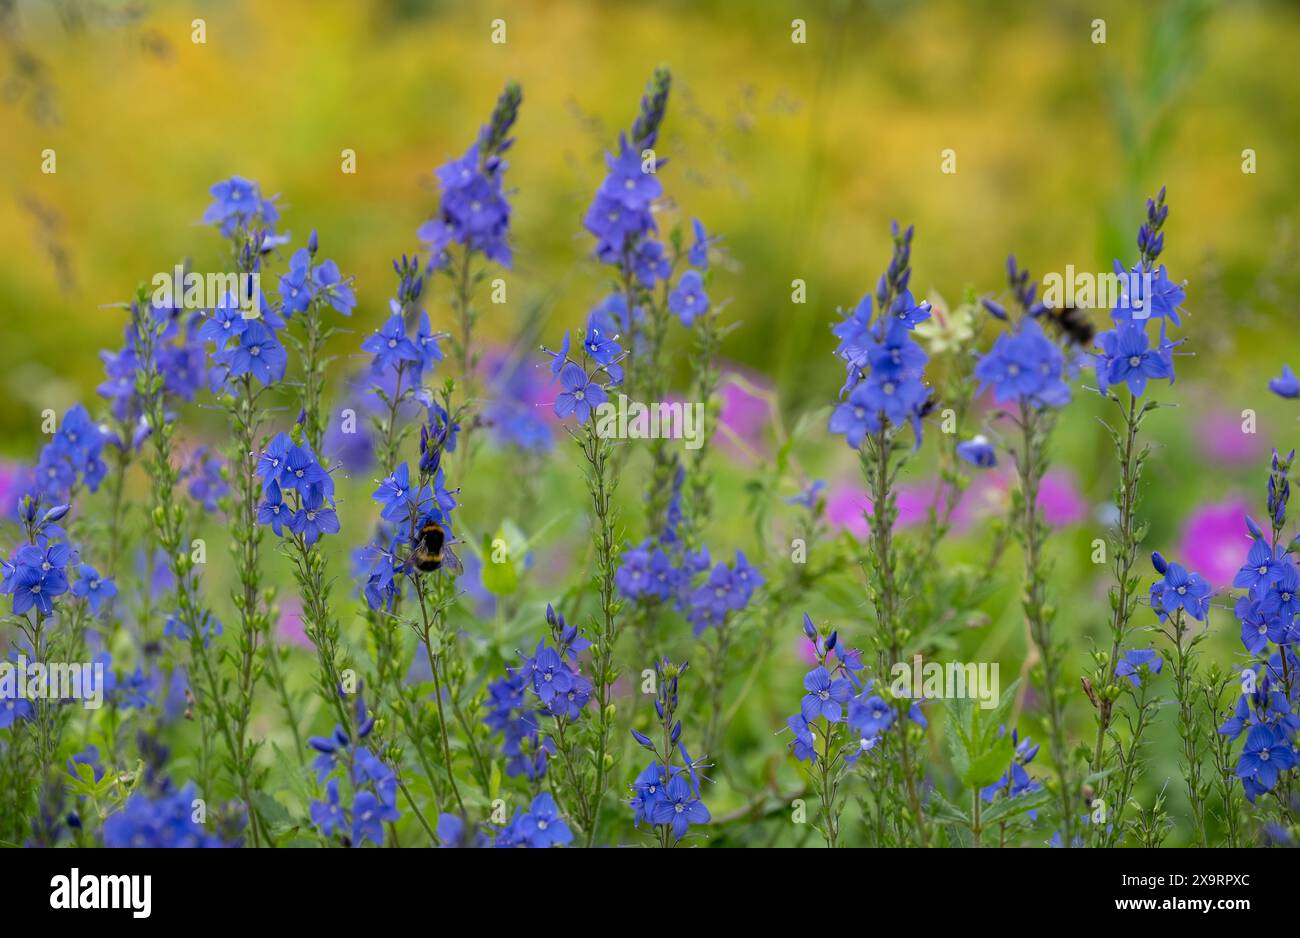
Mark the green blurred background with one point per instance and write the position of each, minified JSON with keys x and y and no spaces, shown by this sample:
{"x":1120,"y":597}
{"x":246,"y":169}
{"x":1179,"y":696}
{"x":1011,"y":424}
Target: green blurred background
{"x":797,"y":154}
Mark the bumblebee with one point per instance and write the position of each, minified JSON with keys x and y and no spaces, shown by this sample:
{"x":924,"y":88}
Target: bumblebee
{"x":1072,"y":323}
{"x":431,"y":551}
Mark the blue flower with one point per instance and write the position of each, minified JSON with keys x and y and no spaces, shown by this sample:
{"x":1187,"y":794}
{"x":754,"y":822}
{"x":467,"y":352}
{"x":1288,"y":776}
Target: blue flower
{"x":698,"y":256}
{"x":541,"y":826}
{"x":206,"y":486}
{"x":896,"y":399}
{"x":94,"y":589}
{"x":804,"y":745}
{"x":453,"y":832}
{"x":580,"y":394}
{"x":1181,"y":589}
{"x":312,"y":521}
{"x":1287,"y":385}
{"x":368,"y":817}
{"x":1282,"y":598}
{"x":979,"y":452}
{"x":296,"y":287}
{"x":688,"y":300}
{"x":426,"y":340}
{"x":627,"y":184}
{"x":1131,"y":665}
{"x":1016,"y":781}
{"x":1129,"y":358}
{"x":13,"y":709}
{"x":237,"y":202}
{"x":257,"y":353}
{"x":869,"y":714}
{"x":602,"y":348}
{"x":680,"y":807}
{"x":1134,"y":304}
{"x":390,"y":346}
{"x":398,"y":496}
{"x":647,"y":792}
{"x":327,"y":282}
{"x":36,"y":576}
{"x":854,"y":418}
{"x":328,"y":815}
{"x":907,"y":311}
{"x":825,"y":697}
{"x":810,"y":496}
{"x":1262,"y":567}
{"x":1267,"y":753}
{"x":1024,"y":366}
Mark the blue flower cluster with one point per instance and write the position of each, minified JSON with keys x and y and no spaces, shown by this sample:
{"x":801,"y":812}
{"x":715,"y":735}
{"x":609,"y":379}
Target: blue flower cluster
{"x":407,"y":507}
{"x":290,"y":469}
{"x":1016,"y":781}
{"x":73,"y":457}
{"x":512,"y":713}
{"x":1023,"y":366}
{"x":396,"y":350}
{"x":664,"y":570}
{"x":244,"y":345}
{"x":473,"y":211}
{"x":511,"y":414}
{"x":305,"y":283}
{"x":205,"y":473}
{"x":36,"y":574}
{"x":551,"y":673}
{"x":884,"y":364}
{"x":835,"y":695}
{"x":585,"y":382}
{"x":159,"y":819}
{"x":621,"y":216}
{"x":1268,"y":612}
{"x":372,"y":783}
{"x":548,"y":677}
{"x":178,"y":356}
{"x":666,"y":795}
{"x":1267,"y":716}
{"x":539,"y":827}
{"x":1126,"y":353}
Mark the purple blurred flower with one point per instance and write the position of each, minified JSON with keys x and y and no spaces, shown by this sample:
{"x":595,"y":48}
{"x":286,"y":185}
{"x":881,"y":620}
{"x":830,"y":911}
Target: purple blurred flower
{"x":1214,"y":540}
{"x":1220,"y":438}
{"x":289,"y":628}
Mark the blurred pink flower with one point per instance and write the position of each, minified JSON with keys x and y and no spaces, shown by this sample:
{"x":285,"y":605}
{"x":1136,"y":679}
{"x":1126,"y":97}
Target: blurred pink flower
{"x":1222,"y":442}
{"x":1215,"y":541}
{"x":744,"y":413}
{"x":1059,"y":499}
{"x":847,"y":502}
{"x":11,"y":480}
{"x":807,"y":650}
{"x":289,"y":629}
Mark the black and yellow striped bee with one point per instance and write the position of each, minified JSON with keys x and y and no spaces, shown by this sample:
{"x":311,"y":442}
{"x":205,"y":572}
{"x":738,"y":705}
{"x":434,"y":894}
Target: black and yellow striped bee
{"x":431,"y":549}
{"x":1073,"y":323}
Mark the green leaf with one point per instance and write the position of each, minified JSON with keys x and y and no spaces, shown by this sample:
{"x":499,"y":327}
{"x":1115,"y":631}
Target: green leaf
{"x":989,"y":766}
{"x":1005,"y":808}
{"x":273,"y":813}
{"x":944,"y":811}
